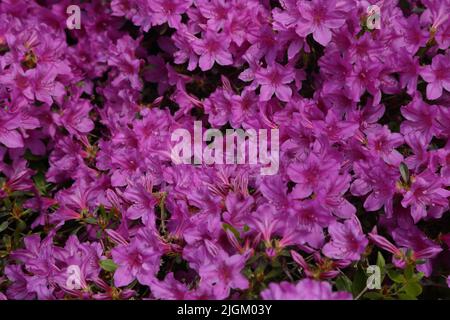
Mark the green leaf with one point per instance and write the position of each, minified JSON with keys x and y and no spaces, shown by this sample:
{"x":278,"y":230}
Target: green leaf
{"x":409,"y":253}
{"x":359,"y":282}
{"x":396,"y":276}
{"x":3,"y":226}
{"x":90,"y":220}
{"x":7,"y":242}
{"x":419,"y":276}
{"x":227,"y":226}
{"x":413,"y":289}
{"x":4,"y":214}
{"x":404,"y":171}
{"x":40,"y":183}
{"x":343,"y":283}
{"x":274,"y":273}
{"x":404,"y":296}
{"x":373,"y":295}
{"x":20,"y":225}
{"x":102,"y":211}
{"x":254,"y":258}
{"x":108,"y":265}
{"x":380,"y":261}
{"x":409,"y":272}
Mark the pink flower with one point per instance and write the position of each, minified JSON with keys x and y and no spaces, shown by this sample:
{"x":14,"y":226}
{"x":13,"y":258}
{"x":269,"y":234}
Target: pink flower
{"x":9,"y":135}
{"x":306,"y":289}
{"x":266,"y":221}
{"x":213,"y":47}
{"x":183,"y":40}
{"x":140,"y":194}
{"x":39,"y":83}
{"x":426,"y":193}
{"x":225,"y":274}
{"x":138,"y":260}
{"x":309,"y":173}
{"x":275,"y":79}
{"x":318,"y":17}
{"x":18,"y":177}
{"x":379,"y":179}
{"x":437,"y":76}
{"x":420,"y":117}
{"x":348,"y":241}
{"x":170,"y":11}
{"x":74,"y":118}
{"x":382,"y":141}
{"x":398,"y":257}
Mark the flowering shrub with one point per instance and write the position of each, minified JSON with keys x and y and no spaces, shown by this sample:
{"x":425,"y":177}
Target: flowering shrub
{"x":93,"y":207}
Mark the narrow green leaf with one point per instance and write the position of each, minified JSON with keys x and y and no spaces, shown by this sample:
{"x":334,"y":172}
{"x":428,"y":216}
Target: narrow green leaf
{"x":380,"y":261}
{"x":90,"y":220}
{"x":404,"y":171}
{"x":227,"y":226}
{"x":108,"y":265}
{"x":396,"y":276}
{"x":3,"y":226}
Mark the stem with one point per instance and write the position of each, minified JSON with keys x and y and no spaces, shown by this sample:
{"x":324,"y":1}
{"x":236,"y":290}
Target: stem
{"x":361,"y":293}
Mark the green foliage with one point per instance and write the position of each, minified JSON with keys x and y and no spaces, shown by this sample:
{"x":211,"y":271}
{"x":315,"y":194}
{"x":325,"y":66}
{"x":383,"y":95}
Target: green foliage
{"x":108,"y":265}
{"x":400,"y":283}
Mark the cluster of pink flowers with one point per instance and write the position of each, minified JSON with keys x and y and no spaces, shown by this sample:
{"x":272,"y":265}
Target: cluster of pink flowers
{"x":87,"y":180}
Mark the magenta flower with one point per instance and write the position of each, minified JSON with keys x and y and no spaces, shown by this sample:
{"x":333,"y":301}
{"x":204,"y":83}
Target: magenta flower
{"x":420,"y":118}
{"x":170,"y":289}
{"x":38,"y":83}
{"x":414,"y":36}
{"x":437,"y":76}
{"x":398,"y":257}
{"x":212,"y":47}
{"x":18,"y":177}
{"x":216,"y":11}
{"x":88,"y":119}
{"x":137,"y":260}
{"x":365,"y":76}
{"x":9,"y":135}
{"x":318,"y":17}
{"x":140,"y":193}
{"x":76,"y":119}
{"x":379,"y":180}
{"x":348,"y":241}
{"x":310,"y":173}
{"x":225,"y":274}
{"x":306,"y":289}
{"x":266,"y":221}
{"x":383,"y":143}
{"x":409,"y":72}
{"x":170,"y":11}
{"x":183,"y":39}
{"x":426,"y":192}
{"x":275,"y":79}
